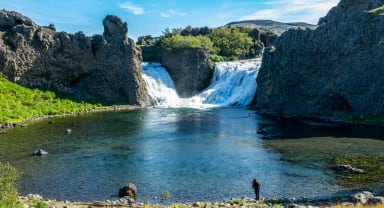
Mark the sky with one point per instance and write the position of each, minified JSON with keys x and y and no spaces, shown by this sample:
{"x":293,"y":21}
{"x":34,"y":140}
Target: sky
{"x":151,"y":17}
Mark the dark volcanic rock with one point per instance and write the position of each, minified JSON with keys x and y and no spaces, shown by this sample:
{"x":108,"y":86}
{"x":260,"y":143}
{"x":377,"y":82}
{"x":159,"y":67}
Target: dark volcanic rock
{"x":190,"y":69}
{"x":336,"y":70}
{"x":129,"y":191}
{"x":105,"y":67}
{"x":40,"y":152}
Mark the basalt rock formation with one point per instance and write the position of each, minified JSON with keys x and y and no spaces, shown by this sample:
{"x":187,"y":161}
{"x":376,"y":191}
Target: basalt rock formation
{"x":336,"y":70}
{"x":105,"y":68}
{"x":190,"y":69}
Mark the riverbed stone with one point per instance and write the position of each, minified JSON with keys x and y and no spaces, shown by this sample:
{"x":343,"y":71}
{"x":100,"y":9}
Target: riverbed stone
{"x":361,"y":197}
{"x":129,"y":191}
{"x":375,"y":200}
{"x":40,"y":152}
{"x":349,"y":169}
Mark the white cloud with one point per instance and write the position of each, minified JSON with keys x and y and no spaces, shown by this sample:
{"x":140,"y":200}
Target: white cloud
{"x":172,"y":12}
{"x":136,"y":10}
{"x":293,"y":10}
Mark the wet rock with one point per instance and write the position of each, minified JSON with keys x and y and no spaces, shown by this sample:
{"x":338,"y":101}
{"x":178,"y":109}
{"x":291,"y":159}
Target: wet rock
{"x":349,"y":169}
{"x":129,"y":191}
{"x":34,"y":197}
{"x":40,"y":152}
{"x":361,"y":197}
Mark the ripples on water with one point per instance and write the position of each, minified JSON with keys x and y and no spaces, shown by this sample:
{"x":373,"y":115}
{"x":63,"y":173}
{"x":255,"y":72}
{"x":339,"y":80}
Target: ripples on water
{"x":210,"y":154}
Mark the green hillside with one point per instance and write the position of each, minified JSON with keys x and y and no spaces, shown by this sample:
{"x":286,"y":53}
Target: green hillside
{"x":18,"y":103}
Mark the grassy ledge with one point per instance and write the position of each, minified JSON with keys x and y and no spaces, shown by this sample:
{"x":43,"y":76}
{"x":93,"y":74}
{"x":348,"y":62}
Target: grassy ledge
{"x":18,"y":104}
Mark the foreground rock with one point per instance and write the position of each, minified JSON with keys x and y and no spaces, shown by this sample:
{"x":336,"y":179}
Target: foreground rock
{"x":334,"y":71}
{"x":104,"y":67}
{"x":190,"y":69}
{"x":129,"y":191}
{"x":40,"y":152}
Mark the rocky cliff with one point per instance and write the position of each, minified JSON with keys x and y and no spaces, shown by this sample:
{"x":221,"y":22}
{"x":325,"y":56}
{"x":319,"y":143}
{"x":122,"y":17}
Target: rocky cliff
{"x":336,"y":70}
{"x":104,"y":67}
{"x":190,"y":69}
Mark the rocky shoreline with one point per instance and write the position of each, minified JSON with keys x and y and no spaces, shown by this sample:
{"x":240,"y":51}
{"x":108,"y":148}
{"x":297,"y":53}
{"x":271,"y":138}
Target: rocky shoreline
{"x":364,"y":198}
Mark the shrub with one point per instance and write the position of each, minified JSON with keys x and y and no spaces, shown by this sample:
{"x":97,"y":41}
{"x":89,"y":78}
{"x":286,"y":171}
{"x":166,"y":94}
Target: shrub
{"x":8,"y":191}
{"x":178,"y":41}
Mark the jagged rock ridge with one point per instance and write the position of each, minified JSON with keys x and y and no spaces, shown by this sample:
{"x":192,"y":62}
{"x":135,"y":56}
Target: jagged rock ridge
{"x":336,"y":70}
{"x":102,"y":67}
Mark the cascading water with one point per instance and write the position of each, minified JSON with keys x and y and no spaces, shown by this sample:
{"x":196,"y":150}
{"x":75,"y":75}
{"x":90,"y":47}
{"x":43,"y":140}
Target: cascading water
{"x":233,"y":84}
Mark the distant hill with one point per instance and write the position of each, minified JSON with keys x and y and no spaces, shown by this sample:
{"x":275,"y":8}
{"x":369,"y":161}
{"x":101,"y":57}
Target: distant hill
{"x":278,"y":27}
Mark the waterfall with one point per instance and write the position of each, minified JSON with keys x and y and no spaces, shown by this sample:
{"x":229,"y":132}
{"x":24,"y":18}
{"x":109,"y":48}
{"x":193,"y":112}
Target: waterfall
{"x":233,"y":84}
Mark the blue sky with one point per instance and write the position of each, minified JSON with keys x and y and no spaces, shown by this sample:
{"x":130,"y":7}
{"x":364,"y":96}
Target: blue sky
{"x":151,"y":17}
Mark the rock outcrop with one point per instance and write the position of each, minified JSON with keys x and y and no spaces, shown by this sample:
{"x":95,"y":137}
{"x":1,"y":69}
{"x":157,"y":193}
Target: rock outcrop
{"x":336,"y":70}
{"x":129,"y":191}
{"x":105,"y":68}
{"x":190,"y":69}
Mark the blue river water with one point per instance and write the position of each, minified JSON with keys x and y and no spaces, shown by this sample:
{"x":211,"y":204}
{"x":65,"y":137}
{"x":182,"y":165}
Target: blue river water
{"x":194,"y":154}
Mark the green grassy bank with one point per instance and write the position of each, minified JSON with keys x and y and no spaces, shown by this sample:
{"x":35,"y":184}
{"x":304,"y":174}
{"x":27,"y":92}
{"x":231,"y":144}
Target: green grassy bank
{"x":18,"y":103}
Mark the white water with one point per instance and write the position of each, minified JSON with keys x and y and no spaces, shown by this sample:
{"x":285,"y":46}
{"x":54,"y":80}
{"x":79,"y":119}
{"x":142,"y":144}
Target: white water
{"x":233,"y":83}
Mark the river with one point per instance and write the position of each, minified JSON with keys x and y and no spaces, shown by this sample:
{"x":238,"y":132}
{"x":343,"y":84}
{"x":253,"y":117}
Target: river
{"x":198,"y":149}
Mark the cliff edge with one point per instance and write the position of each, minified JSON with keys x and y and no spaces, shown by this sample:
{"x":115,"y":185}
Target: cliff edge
{"x":336,"y":70}
{"x":105,"y":68}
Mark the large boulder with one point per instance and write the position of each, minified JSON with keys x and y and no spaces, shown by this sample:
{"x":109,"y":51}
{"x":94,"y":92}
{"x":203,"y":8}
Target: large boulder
{"x":335,"y":70}
{"x":190,"y":69}
{"x":105,"y":68}
{"x":129,"y":191}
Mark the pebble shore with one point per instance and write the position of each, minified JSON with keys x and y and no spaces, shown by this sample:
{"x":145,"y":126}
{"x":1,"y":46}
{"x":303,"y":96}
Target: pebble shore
{"x":364,"y":198}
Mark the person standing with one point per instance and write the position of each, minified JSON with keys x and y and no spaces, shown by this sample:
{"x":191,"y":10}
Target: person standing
{"x":256,"y":187}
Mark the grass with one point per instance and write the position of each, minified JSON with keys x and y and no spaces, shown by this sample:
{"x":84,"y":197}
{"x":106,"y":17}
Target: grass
{"x":8,"y":191}
{"x":372,"y":165}
{"x":18,"y":103}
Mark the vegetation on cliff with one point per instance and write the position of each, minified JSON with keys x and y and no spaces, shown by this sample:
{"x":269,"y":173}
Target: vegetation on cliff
{"x":18,"y":103}
{"x":177,"y":41}
{"x":225,"y":43}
